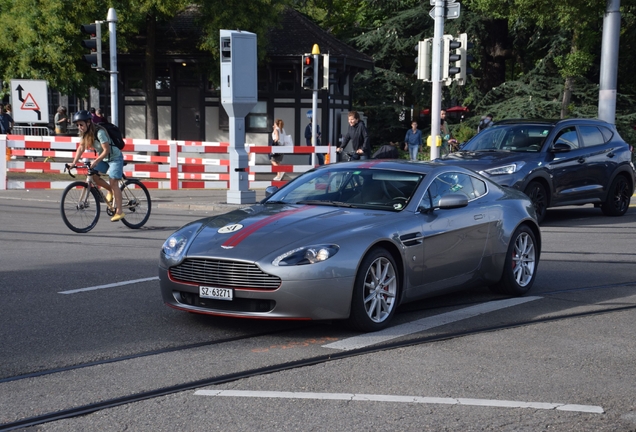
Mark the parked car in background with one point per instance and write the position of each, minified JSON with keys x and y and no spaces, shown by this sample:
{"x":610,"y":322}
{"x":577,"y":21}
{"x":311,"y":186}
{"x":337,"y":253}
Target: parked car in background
{"x":352,"y":241}
{"x":556,"y":163}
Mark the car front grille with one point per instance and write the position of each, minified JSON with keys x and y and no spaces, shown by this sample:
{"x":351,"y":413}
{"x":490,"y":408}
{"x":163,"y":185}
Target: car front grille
{"x":222,"y":274}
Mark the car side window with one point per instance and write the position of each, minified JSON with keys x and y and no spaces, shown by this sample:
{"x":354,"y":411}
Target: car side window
{"x":607,"y":134}
{"x":591,"y":136}
{"x":567,"y":136}
{"x":451,"y":183}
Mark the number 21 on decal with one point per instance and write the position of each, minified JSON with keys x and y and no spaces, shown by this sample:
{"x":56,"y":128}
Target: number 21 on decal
{"x":229,"y":228}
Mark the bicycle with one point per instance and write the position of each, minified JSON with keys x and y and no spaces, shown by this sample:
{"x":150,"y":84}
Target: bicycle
{"x":81,"y":202}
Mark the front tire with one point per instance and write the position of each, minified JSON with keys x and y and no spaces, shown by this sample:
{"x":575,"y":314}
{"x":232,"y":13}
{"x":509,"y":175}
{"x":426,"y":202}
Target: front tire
{"x":80,"y":207}
{"x":538,"y":196}
{"x":136,"y":203}
{"x":520,"y":267}
{"x":375,"y":293}
{"x":618,"y":197}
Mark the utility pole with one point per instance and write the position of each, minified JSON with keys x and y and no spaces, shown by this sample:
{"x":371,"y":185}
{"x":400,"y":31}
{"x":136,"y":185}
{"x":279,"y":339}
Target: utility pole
{"x":609,"y":62}
{"x":112,"y":40}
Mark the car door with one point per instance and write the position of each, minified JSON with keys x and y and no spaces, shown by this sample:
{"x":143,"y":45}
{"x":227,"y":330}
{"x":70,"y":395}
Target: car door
{"x":600,"y":159}
{"x":567,"y":165}
{"x":579,"y":172}
{"x":453,"y":239}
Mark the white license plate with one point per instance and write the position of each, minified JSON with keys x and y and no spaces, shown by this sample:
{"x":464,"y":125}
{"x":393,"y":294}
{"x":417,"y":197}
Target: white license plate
{"x":216,"y":293}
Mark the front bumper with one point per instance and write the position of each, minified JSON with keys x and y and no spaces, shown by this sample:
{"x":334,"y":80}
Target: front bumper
{"x":313,"y":299}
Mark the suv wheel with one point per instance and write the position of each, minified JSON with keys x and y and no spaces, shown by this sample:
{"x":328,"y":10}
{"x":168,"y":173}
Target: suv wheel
{"x":617,"y":201}
{"x":537,"y":194}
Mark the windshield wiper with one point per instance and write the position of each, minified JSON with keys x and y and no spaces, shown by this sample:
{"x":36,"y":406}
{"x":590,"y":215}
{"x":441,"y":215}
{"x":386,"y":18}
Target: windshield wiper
{"x":326,"y":202}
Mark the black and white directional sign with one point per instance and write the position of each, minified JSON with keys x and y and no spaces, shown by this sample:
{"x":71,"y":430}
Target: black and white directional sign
{"x":30,"y":101}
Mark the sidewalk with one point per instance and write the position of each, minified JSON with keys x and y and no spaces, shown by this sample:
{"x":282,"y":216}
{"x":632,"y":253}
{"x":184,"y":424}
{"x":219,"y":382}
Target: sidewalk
{"x":184,"y":199}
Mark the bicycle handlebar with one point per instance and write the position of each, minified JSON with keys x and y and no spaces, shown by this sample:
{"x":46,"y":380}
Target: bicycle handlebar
{"x":86,"y":165}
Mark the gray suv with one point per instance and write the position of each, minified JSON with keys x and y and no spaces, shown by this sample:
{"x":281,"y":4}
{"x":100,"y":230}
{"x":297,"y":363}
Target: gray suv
{"x":556,"y":163}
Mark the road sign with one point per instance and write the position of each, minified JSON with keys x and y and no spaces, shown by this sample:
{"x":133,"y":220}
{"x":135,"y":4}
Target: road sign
{"x":451,"y":11}
{"x":30,"y":101}
{"x":447,"y":1}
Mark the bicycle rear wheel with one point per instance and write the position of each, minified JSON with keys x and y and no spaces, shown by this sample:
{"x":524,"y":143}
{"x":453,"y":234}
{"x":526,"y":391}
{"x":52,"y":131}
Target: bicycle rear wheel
{"x":80,"y":207}
{"x":136,"y":203}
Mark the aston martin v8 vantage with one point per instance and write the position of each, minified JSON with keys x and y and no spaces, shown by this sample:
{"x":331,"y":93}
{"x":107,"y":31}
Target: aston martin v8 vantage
{"x":352,"y":241}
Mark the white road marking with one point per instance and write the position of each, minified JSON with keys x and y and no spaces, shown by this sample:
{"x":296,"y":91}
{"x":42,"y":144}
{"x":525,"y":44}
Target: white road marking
{"x":592,"y":409}
{"x":113,"y":285}
{"x":368,"y":339}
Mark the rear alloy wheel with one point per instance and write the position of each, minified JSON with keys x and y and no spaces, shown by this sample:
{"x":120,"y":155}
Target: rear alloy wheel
{"x":539,"y":198}
{"x":375,"y":293}
{"x":520,"y":268}
{"x":618,"y":197}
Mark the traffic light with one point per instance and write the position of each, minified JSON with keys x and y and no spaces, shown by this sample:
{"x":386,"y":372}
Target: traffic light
{"x":94,"y":44}
{"x":451,"y":59}
{"x":455,"y":63}
{"x":464,"y":59}
{"x":308,"y":72}
{"x":329,"y":71}
{"x":423,"y":60}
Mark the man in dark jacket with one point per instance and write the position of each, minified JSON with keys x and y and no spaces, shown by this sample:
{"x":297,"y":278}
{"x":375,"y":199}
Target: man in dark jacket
{"x":358,"y":136}
{"x":6,"y":121}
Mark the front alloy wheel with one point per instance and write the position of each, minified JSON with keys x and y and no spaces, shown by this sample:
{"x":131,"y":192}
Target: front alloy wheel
{"x":375,"y":292}
{"x":536,"y":193}
{"x":618,"y":198}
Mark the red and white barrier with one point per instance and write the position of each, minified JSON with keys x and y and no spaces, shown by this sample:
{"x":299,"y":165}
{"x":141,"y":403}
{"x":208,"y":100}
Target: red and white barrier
{"x":168,"y":170}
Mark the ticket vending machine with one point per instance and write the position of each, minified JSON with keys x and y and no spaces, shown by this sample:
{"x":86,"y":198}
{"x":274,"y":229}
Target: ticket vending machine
{"x":238,"y":96}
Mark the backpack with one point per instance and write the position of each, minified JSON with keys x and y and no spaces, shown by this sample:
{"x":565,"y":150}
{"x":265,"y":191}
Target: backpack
{"x":113,"y":133}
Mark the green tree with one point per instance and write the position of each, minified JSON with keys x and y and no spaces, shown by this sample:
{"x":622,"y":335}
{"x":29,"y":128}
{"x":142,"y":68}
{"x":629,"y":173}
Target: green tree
{"x":40,"y":39}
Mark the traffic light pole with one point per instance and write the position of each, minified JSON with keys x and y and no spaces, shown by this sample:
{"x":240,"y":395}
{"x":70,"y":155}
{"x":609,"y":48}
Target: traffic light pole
{"x":436,"y":82}
{"x":314,"y":101}
{"x":112,"y":39}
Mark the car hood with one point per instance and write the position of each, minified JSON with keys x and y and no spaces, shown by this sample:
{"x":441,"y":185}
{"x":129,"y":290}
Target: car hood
{"x":481,"y":160}
{"x":254,"y":232}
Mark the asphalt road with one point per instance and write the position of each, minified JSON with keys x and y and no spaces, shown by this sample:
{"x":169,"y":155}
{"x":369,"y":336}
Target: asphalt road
{"x":82,"y":326}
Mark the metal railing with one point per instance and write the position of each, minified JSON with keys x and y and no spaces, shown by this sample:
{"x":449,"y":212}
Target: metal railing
{"x":31,"y":130}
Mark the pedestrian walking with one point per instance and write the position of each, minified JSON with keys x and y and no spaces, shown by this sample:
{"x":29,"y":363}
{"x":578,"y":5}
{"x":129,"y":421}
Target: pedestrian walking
{"x":358,"y":136}
{"x":413,"y":141}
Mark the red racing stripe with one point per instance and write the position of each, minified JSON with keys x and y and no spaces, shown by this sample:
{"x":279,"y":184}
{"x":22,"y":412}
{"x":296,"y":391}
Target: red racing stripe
{"x":246,"y":232}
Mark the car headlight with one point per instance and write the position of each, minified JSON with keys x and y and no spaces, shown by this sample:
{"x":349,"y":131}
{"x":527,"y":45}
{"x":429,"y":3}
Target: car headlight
{"x":174,"y":248}
{"x":506,"y":169}
{"x":306,"y":255}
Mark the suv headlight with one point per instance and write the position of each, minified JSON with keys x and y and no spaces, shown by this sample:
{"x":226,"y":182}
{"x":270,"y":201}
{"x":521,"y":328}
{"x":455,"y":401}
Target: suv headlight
{"x":506,"y":169}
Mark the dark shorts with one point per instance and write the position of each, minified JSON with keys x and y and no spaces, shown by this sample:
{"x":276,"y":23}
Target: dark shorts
{"x":276,"y":157}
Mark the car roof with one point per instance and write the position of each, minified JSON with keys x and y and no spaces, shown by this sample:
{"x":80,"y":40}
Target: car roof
{"x":421,"y":167}
{"x":552,"y":122}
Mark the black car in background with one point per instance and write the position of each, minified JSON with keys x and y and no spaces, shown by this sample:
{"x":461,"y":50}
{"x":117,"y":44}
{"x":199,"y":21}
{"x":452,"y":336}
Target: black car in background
{"x":556,"y":163}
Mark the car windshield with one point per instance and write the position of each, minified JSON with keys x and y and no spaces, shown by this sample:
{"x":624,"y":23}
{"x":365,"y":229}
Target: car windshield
{"x":510,"y":137}
{"x":351,"y":187}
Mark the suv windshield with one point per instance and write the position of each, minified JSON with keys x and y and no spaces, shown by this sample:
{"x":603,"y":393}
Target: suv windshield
{"x":512,"y":137}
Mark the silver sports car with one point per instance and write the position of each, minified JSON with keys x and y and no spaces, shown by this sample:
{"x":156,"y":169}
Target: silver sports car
{"x":353,"y":241}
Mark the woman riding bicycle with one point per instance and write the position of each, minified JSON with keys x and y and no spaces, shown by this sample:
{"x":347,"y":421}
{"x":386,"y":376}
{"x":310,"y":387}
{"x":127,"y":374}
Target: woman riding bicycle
{"x":109,"y":158}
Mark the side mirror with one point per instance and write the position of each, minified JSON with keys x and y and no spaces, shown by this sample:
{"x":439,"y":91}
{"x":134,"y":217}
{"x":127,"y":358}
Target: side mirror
{"x":270,"y":190}
{"x":560,"y":147}
{"x":452,"y":201}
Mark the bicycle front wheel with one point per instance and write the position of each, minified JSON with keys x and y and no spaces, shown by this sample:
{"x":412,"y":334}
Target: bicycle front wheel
{"x":80,"y":207}
{"x":135,"y":203}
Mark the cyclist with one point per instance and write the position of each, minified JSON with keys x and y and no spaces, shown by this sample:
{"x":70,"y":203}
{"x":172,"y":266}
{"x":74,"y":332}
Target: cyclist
{"x":109,"y":158}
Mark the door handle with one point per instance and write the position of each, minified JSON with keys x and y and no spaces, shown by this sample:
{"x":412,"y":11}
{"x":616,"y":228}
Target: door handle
{"x":478,"y":216}
{"x":581,"y":160}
